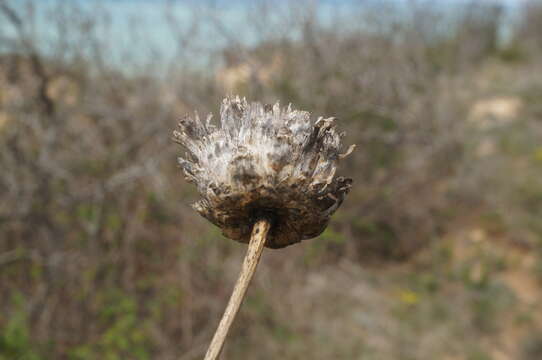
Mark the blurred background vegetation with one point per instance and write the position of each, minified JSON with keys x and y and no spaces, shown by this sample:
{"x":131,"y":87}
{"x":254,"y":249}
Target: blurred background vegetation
{"x":436,"y":254}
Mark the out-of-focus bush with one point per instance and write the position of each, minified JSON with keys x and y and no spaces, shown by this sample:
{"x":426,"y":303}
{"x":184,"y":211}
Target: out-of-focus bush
{"x":403,"y":112}
{"x":530,"y":28}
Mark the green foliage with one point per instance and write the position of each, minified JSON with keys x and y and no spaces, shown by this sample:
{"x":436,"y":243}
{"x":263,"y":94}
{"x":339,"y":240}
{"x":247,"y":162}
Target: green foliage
{"x":328,"y":244}
{"x":478,"y":354}
{"x":15,"y":338}
{"x":512,"y":54}
{"x":124,"y":332}
{"x":486,"y":303}
{"x":379,"y":238}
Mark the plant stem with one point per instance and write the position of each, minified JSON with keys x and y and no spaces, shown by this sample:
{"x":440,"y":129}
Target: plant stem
{"x":252,"y":257}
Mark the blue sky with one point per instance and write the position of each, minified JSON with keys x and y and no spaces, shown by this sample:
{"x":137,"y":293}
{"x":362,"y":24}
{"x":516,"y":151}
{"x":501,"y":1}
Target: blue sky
{"x":155,"y":35}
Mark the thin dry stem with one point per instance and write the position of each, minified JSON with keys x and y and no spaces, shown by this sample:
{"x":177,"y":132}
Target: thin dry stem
{"x":254,"y":251}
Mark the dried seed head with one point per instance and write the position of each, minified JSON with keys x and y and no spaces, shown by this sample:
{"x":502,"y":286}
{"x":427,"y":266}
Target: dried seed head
{"x":264,"y":161}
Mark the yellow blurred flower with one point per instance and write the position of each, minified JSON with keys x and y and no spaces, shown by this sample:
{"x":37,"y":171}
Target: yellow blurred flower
{"x":409,"y":297}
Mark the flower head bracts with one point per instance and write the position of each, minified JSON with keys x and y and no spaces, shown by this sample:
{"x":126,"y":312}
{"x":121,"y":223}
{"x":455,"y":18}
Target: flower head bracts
{"x":264,"y":160}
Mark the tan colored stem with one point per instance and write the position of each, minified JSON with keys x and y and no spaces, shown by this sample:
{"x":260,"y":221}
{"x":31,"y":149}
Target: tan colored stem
{"x":254,"y":251}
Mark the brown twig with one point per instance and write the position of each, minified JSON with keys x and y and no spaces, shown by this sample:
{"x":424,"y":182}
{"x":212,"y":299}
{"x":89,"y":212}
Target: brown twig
{"x":255,"y":248}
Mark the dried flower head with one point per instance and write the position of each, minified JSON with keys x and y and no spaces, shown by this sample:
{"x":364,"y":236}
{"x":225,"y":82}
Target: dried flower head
{"x":264,"y":161}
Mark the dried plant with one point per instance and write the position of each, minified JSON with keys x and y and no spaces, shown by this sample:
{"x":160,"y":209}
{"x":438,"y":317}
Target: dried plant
{"x":266,"y":177}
